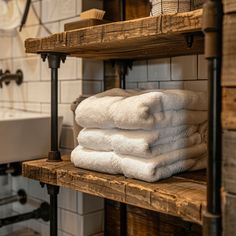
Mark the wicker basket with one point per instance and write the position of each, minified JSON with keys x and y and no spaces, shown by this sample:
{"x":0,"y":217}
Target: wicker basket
{"x":160,"y":7}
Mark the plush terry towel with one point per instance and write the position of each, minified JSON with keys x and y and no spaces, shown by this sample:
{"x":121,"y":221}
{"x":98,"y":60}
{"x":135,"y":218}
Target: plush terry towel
{"x":146,"y":121}
{"x":139,"y":143}
{"x":140,"y":110}
{"x":150,"y":170}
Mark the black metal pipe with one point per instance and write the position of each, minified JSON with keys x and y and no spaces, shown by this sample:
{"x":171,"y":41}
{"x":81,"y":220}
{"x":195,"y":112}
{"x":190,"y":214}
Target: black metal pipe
{"x":54,"y":60}
{"x":20,"y":197}
{"x":54,"y":109}
{"x":123,"y":219}
{"x":213,"y":30}
{"x":14,"y":169}
{"x":41,"y":213}
{"x":7,"y":77}
{"x":214,"y":138}
{"x":53,"y":192}
{"x":122,"y":10}
{"x":123,"y":77}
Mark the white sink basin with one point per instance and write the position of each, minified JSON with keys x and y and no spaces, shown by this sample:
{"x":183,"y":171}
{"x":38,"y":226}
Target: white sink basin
{"x":24,"y":135}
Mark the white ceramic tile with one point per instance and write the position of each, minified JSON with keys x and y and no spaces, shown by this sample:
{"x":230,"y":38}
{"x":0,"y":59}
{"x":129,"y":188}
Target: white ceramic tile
{"x":70,"y":222}
{"x":63,"y":22}
{"x":202,"y":67}
{"x":39,"y":227}
{"x":65,"y":111}
{"x":30,"y":205}
{"x":39,"y":92}
{"x":172,"y":85}
{"x":92,"y":87}
{"x":7,"y":105}
{"x":49,"y":28}
{"x":184,"y":68}
{"x":18,"y":41}
{"x":66,"y":71}
{"x":93,"y":69}
{"x":30,"y":67}
{"x":6,"y":65}
{"x":32,"y":18}
{"x":79,"y":4}
{"x":7,"y":93}
{"x":35,"y":107}
{"x":20,"y":92}
{"x":61,"y":233}
{"x":70,"y":90}
{"x":159,"y":69}
{"x":109,"y":69}
{"x":199,"y":85}
{"x":5,"y":47}
{"x":57,"y":9}
{"x":4,"y":183}
{"x":79,"y":62}
{"x":19,"y":182}
{"x":138,"y":73}
{"x":88,"y":203}
{"x":35,"y":190}
{"x":45,"y":108}
{"x":93,"y":223}
{"x":67,"y":138}
{"x":148,"y":85}
{"x":131,"y":85}
{"x":67,"y":199}
{"x":5,"y":230}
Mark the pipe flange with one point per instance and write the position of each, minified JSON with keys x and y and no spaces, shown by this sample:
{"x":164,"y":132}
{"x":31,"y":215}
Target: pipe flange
{"x":19,"y":79}
{"x":7,"y":82}
{"x":22,"y":196}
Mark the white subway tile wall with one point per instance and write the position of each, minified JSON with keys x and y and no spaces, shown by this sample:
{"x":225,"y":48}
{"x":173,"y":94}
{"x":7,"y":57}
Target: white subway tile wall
{"x":79,"y":214}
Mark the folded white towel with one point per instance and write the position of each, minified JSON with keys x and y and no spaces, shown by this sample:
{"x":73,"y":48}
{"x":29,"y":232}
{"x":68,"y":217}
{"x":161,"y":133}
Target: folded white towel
{"x":141,"y":109}
{"x":139,"y":142}
{"x":150,"y":170}
{"x":137,"y":121}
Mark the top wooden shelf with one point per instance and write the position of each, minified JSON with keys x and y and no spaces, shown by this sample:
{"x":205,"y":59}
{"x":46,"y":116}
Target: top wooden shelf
{"x":183,"y":195}
{"x":158,"y":36}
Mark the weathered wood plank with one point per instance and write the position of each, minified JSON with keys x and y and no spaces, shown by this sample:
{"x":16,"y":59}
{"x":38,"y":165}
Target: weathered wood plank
{"x":229,"y":108}
{"x":229,"y":6}
{"x":229,"y":51}
{"x":137,"y":38}
{"x":145,"y":222}
{"x":229,"y":216}
{"x":229,"y":161}
{"x":178,"y":196}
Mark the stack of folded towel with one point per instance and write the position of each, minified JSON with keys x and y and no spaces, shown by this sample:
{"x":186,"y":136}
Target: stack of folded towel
{"x":147,"y":135}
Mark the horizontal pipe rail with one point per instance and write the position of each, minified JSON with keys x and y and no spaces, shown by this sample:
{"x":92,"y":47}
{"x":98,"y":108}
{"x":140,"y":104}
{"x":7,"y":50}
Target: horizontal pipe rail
{"x":41,"y":213}
{"x":20,"y":197}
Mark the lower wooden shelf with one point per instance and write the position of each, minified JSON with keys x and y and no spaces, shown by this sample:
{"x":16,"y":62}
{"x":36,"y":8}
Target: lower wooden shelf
{"x":183,"y":195}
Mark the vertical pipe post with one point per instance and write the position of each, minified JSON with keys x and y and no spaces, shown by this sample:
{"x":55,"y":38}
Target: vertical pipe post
{"x":54,"y":60}
{"x":212,"y":26}
{"x":122,"y":10}
{"x":53,"y":192}
{"x":54,"y":155}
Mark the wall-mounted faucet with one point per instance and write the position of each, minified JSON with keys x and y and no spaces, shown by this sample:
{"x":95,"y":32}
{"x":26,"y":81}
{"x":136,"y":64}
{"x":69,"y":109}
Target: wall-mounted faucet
{"x":7,"y":77}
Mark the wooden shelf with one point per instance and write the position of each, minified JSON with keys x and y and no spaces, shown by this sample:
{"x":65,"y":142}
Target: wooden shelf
{"x":160,"y":36}
{"x":183,"y":195}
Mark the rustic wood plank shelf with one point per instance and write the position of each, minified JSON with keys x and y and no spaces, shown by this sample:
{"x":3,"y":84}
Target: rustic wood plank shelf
{"x":183,"y":195}
{"x":149,"y":37}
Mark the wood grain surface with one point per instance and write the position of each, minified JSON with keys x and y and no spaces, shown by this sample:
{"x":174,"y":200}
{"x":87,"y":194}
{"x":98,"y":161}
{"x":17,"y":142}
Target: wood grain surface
{"x":183,"y":196}
{"x":160,"y":36}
